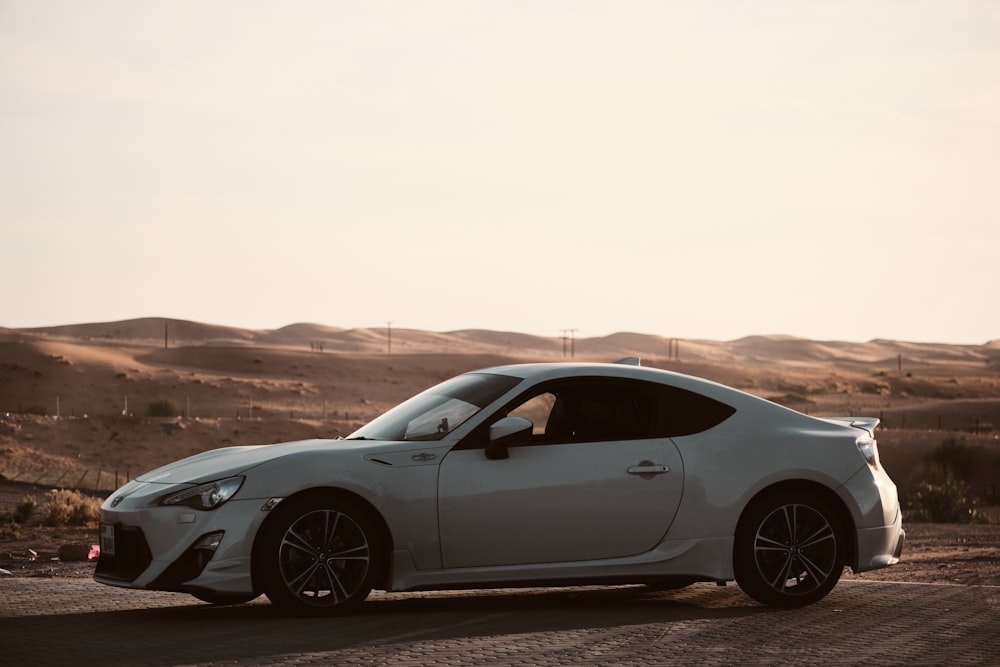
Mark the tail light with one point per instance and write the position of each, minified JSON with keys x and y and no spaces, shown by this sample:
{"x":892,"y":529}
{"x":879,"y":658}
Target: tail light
{"x":868,"y":447}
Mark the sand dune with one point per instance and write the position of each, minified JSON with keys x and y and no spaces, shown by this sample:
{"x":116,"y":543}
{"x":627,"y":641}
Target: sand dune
{"x":148,"y":328}
{"x":768,"y":349}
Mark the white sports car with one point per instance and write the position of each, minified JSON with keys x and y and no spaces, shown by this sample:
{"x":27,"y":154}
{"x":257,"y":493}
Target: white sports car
{"x":521,"y":475}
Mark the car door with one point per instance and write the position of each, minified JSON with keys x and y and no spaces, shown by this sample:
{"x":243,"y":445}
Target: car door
{"x":592,"y":481}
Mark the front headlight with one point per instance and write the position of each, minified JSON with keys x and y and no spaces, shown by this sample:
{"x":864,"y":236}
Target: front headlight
{"x":206,"y":496}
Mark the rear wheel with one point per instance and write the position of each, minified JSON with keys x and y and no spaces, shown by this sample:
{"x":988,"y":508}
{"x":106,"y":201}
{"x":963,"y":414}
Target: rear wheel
{"x":318,"y":555}
{"x":790,"y":550}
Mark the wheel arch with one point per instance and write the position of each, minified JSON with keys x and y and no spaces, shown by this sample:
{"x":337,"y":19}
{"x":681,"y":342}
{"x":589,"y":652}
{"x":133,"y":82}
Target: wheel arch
{"x":793,"y":486}
{"x":385,"y":536}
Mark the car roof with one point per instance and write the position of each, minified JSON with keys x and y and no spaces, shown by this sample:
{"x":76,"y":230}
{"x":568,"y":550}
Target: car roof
{"x":554,"y":370}
{"x":737,"y":398}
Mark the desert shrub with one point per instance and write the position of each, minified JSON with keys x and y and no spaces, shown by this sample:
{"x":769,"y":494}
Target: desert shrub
{"x":163,"y":407}
{"x":71,"y":508}
{"x":10,"y":530}
{"x":940,"y":488}
{"x":936,"y":495}
{"x":954,"y":454}
{"x":24,"y":509}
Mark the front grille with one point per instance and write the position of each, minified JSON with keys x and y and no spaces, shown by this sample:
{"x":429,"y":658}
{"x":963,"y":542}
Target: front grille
{"x":131,"y":558}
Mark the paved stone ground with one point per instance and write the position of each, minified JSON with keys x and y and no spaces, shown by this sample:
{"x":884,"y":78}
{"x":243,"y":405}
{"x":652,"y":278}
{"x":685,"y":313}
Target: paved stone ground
{"x":78,"y":622}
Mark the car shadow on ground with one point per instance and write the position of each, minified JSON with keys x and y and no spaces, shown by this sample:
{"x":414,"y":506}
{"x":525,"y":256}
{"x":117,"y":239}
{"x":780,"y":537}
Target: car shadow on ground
{"x":199,"y":633}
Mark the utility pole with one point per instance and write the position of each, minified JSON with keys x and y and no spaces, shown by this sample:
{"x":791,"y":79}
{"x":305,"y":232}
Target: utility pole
{"x":388,"y":337}
{"x":569,"y":335}
{"x":166,"y":325}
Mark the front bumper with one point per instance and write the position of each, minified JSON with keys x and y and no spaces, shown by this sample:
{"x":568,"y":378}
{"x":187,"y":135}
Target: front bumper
{"x":163,"y":548}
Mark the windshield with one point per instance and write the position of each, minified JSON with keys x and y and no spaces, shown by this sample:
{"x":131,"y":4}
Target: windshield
{"x":432,"y":414}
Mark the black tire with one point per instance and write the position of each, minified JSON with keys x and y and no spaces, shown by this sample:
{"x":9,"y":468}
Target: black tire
{"x":790,"y":549}
{"x":225,"y":598}
{"x":318,"y":555}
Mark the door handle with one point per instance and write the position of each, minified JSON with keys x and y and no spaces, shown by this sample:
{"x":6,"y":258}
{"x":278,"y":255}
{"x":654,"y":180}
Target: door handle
{"x":648,"y":468}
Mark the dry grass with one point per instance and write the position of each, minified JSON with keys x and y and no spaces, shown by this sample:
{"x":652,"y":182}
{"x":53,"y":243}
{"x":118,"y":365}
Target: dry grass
{"x":65,"y":507}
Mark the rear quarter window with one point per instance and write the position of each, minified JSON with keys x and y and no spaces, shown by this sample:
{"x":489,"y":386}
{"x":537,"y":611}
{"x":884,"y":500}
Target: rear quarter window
{"x":684,"y":412}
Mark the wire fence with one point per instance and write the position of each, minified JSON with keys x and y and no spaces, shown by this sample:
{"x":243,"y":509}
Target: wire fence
{"x":933,"y":421}
{"x":79,"y":479}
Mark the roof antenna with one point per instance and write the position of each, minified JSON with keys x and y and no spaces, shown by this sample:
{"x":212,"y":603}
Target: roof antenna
{"x":630,"y":361}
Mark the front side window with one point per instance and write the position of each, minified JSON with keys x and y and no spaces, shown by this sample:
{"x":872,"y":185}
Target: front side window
{"x":432,"y":414}
{"x":588,"y":411}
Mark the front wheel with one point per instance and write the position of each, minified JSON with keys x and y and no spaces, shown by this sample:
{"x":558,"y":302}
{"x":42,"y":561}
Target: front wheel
{"x":318,"y":555}
{"x":790,"y":550}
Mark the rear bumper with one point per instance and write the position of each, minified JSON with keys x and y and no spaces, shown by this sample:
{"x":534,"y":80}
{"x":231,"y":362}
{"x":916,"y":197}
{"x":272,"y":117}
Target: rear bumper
{"x":880,"y":547}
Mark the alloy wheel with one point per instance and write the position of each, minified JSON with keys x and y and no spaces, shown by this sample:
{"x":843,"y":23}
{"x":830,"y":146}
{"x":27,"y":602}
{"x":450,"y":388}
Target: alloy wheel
{"x":795,"y":549}
{"x":324,"y":557}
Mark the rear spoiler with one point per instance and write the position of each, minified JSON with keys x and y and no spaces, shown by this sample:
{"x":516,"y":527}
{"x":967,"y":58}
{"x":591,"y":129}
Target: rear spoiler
{"x":863,"y":423}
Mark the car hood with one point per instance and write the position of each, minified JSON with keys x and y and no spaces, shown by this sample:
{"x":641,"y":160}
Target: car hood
{"x":220,"y":463}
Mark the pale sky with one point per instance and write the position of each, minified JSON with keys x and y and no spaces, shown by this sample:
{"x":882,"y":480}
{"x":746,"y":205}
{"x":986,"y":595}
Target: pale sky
{"x":693,"y":169}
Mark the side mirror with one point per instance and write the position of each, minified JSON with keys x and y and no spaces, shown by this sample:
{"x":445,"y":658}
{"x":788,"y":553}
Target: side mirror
{"x":505,"y":431}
